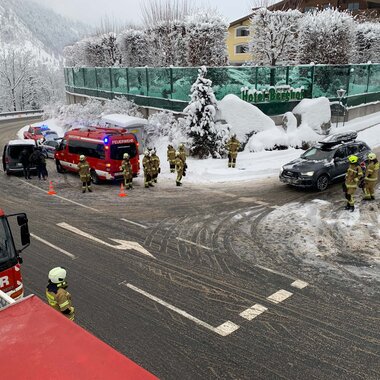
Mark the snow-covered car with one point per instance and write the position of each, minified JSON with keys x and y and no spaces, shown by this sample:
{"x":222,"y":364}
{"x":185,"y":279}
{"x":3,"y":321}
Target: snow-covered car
{"x":325,"y":162}
{"x":49,"y":147}
{"x":49,"y":135}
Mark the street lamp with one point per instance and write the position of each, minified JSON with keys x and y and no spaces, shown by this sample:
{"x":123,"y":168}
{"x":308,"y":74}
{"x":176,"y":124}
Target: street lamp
{"x":341,"y":94}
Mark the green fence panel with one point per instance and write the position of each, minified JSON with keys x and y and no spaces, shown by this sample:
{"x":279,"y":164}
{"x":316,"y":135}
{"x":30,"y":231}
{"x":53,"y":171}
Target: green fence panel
{"x":183,"y":78}
{"x":159,"y":82}
{"x":70,"y":77}
{"x":374,"y":79}
{"x":103,"y":78}
{"x":90,"y":78}
{"x":137,"y":81}
{"x":301,"y":76}
{"x":119,"y":80}
{"x":78,"y":77}
{"x":358,"y":79}
{"x":329,"y":79}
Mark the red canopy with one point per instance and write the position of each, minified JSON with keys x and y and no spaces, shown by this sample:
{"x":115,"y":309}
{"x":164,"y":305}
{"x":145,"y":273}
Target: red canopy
{"x":37,"y":342}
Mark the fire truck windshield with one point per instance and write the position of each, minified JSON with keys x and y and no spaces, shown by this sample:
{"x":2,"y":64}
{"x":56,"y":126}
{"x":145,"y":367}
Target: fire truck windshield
{"x":117,"y":150}
{"x":7,"y":250}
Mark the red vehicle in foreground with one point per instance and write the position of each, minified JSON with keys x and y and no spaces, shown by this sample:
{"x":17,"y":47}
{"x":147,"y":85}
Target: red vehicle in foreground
{"x":10,"y":260}
{"x":37,"y":342}
{"x":35,"y":132}
{"x":103,"y":148}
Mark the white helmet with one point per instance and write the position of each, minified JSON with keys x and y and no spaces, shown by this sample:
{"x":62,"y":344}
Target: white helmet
{"x":82,"y":157}
{"x":125,"y":155}
{"x":146,"y":153}
{"x":57,"y":275}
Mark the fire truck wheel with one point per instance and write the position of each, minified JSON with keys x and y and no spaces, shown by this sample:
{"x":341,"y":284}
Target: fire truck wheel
{"x":59,"y":167}
{"x":94,"y":177}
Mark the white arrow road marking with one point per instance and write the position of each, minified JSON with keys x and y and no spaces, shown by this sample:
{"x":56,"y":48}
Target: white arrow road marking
{"x":224,"y":329}
{"x":53,"y":246}
{"x":123,"y":244}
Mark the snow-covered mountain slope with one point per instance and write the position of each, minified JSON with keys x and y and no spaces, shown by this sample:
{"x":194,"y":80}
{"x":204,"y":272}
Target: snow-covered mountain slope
{"x":27,"y":26}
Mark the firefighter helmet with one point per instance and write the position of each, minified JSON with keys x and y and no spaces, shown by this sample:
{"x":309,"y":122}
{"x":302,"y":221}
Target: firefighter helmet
{"x":146,"y":153}
{"x":125,"y":156}
{"x":57,"y":275}
{"x":82,"y":157}
{"x":372,"y":156}
{"x":353,"y":159}
{"x":177,"y":154}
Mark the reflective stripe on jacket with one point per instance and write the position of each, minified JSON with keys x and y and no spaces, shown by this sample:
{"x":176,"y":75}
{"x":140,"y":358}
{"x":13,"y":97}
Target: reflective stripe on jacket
{"x":354,"y":172}
{"x":372,"y":172}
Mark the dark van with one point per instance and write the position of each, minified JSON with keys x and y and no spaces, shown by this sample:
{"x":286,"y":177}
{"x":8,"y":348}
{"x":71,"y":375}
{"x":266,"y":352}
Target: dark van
{"x":11,"y":155}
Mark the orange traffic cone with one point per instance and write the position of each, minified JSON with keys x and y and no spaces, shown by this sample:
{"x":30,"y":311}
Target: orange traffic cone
{"x":51,"y":189}
{"x":122,"y":191}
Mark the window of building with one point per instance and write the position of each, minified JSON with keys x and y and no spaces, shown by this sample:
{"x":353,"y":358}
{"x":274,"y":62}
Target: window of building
{"x":241,"y":49}
{"x":242,"y":31}
{"x":353,"y":6}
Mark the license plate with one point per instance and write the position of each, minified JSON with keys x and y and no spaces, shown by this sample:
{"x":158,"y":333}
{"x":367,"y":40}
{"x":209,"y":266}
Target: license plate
{"x":19,"y":164}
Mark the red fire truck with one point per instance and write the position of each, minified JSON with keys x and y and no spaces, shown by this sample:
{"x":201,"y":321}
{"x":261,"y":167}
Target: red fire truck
{"x":104,"y":149}
{"x":10,"y":260}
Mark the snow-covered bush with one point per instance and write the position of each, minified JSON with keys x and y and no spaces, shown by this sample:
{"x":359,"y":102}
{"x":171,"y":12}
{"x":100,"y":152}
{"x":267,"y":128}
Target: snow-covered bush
{"x":326,"y":36}
{"x":159,"y":124}
{"x":134,"y":46}
{"x":121,"y":105}
{"x":237,"y":112}
{"x":274,"y":36}
{"x":367,"y":43}
{"x":314,"y":113}
{"x":200,"y":120}
{"x":206,"y":39}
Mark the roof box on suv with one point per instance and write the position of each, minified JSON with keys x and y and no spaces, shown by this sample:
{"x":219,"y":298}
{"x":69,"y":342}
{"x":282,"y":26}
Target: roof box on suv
{"x":338,"y":138}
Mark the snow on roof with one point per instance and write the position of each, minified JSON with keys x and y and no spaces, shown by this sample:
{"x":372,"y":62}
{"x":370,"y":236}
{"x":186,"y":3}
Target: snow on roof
{"x":124,"y":120}
{"x":21,"y":142}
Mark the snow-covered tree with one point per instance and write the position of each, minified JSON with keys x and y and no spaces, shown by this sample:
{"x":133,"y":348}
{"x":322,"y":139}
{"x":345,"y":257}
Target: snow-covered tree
{"x":367,"y":43}
{"x":134,"y":47}
{"x":206,"y":39}
{"x":200,"y":120}
{"x":326,"y":36}
{"x":274,"y":36}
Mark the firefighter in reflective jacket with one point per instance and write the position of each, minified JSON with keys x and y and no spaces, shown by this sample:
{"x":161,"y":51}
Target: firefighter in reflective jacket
{"x":233,"y":146}
{"x":371,"y":177}
{"x":353,"y":175}
{"x":84,"y":173}
{"x":147,"y":166}
{"x":126,"y":167}
{"x":182,"y":155}
{"x":155,"y":162}
{"x":179,"y":166}
{"x":57,"y":295}
{"x":171,"y":158}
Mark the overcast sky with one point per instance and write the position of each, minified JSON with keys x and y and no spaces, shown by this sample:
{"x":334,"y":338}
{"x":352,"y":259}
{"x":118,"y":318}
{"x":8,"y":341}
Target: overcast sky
{"x":126,"y":11}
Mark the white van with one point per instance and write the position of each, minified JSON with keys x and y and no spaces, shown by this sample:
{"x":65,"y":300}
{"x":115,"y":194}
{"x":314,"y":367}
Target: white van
{"x":131,"y":124}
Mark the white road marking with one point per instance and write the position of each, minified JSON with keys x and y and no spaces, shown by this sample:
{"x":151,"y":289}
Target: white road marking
{"x":53,"y":246}
{"x":299,"y":284}
{"x":253,"y":311}
{"x":196,"y":244}
{"x":224,"y":329}
{"x":63,"y":198}
{"x":136,"y":224}
{"x":279,"y":296}
{"x":123,"y":244}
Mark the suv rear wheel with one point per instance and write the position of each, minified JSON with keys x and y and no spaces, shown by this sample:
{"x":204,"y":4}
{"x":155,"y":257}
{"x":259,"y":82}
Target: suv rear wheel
{"x":322,"y":182}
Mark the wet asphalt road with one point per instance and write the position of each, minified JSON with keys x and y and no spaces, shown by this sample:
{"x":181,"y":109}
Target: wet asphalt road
{"x":191,"y":308}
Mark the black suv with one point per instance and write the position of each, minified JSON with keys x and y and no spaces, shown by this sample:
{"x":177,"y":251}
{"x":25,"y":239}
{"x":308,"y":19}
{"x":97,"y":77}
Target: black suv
{"x":325,"y":162}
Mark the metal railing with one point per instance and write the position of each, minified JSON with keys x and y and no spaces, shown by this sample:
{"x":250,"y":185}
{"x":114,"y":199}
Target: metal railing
{"x":21,"y":113}
{"x":5,"y":300}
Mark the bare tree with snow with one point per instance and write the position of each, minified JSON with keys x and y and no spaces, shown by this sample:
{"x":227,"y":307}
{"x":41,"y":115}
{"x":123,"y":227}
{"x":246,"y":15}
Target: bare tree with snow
{"x":274,"y":36}
{"x":326,"y":36}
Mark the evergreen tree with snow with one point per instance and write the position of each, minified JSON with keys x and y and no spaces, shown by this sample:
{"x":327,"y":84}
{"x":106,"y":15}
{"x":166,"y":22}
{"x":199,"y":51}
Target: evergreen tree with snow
{"x":200,"y":120}
{"x":326,"y":37}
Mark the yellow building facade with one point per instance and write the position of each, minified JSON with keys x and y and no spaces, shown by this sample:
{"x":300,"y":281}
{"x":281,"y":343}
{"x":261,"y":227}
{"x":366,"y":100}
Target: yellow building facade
{"x":237,"y":41}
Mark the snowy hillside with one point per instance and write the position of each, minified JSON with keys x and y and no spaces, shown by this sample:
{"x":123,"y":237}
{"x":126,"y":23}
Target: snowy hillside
{"x":26,"y":26}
